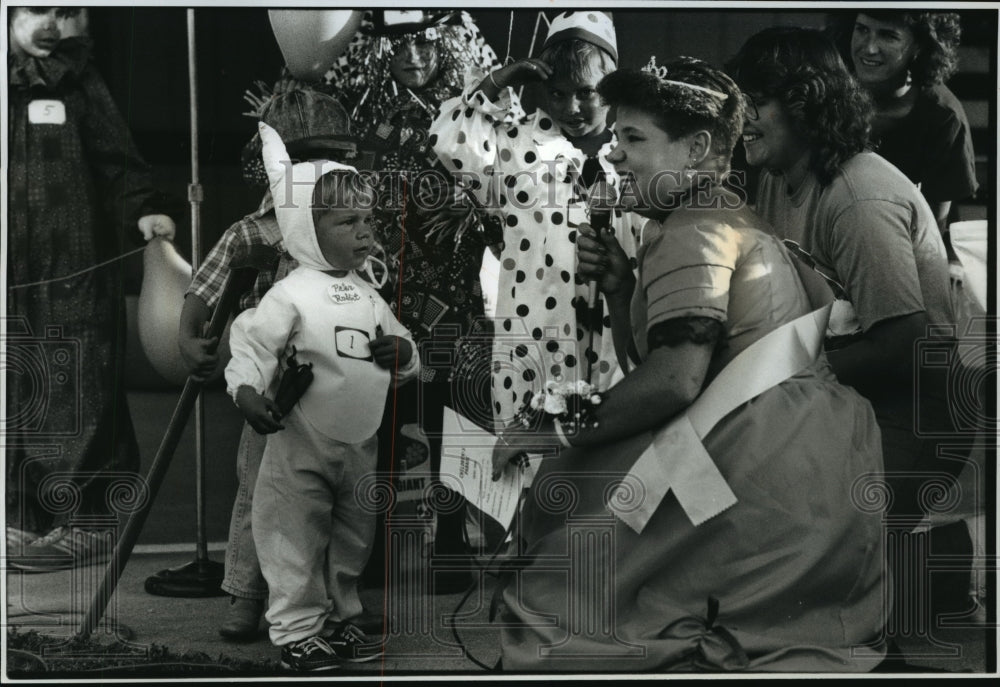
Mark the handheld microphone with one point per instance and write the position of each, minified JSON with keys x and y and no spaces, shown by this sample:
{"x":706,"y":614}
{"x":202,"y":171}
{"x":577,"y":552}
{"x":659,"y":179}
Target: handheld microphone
{"x":600,"y":203}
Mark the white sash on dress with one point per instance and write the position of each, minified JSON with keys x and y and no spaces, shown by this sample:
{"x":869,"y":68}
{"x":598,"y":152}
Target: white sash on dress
{"x":676,"y":458}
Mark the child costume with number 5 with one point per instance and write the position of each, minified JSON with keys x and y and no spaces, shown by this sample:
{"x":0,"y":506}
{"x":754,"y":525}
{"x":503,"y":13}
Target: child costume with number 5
{"x":76,"y":187}
{"x":312,"y":535}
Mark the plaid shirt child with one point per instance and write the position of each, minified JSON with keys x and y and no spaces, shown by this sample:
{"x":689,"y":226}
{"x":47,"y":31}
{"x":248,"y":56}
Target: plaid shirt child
{"x":257,"y":228}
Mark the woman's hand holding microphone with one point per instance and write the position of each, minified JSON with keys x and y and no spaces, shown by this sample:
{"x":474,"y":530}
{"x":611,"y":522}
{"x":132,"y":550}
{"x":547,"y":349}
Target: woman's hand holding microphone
{"x":601,"y":259}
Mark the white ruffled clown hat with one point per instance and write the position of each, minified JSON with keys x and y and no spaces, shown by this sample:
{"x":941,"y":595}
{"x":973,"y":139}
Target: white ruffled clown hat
{"x":292,"y":190}
{"x":592,"y":26}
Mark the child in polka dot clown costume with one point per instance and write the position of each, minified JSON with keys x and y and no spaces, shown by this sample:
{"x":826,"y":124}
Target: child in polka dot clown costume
{"x":534,"y":171}
{"x":312,"y":534}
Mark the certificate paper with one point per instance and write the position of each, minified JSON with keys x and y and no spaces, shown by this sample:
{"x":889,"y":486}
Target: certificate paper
{"x":466,"y":467}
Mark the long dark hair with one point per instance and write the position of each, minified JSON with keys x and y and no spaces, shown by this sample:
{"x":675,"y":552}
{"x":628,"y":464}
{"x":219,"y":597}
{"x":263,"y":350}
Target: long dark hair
{"x":801,"y":69}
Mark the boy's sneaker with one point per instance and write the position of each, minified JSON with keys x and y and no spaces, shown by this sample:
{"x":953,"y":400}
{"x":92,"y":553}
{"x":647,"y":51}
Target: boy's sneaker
{"x":18,"y":539}
{"x":64,"y":548}
{"x":309,"y":655}
{"x":353,"y":645}
{"x":372,"y":625}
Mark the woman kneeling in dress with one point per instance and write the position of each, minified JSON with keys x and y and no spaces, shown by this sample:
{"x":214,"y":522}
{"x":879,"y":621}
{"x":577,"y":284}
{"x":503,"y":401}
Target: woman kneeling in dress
{"x":788,"y":577}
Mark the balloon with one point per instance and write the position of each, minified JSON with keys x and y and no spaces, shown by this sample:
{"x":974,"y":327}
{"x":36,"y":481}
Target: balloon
{"x":310,"y":40}
{"x":166,"y":277}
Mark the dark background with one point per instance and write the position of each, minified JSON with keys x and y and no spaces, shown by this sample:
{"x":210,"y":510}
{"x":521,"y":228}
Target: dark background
{"x":142,"y":53}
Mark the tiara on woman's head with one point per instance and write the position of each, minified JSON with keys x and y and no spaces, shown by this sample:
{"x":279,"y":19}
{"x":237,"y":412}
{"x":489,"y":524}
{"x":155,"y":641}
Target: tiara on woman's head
{"x":661,"y":74}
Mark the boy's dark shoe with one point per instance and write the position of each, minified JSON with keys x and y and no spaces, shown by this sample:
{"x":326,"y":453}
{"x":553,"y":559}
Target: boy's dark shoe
{"x":243,"y":619}
{"x":354,"y":646}
{"x":309,"y":655}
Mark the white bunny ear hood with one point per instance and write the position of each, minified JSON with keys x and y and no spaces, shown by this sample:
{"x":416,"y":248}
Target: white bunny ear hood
{"x":292,"y":190}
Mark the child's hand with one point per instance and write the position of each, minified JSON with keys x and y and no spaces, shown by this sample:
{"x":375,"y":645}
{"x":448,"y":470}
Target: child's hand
{"x":384,"y":350}
{"x":522,"y":71}
{"x":260,"y":412}
{"x":199,"y":354}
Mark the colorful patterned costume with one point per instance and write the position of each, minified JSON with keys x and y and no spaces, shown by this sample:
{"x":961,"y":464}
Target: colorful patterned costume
{"x":434,"y":256}
{"x":434,"y":261}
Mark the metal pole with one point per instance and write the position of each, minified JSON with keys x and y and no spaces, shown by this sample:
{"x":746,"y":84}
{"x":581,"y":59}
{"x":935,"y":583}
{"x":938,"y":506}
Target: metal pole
{"x":201,"y":577}
{"x":195,"y":197}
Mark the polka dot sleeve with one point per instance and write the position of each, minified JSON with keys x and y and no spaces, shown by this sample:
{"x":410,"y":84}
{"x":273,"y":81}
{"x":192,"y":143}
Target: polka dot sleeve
{"x":685,"y":271}
{"x":464,"y":135}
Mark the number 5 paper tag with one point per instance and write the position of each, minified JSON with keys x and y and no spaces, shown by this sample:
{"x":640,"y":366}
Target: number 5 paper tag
{"x":47,"y":112}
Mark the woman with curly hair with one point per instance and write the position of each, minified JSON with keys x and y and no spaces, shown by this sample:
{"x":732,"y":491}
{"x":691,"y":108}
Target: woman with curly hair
{"x":788,"y":577}
{"x":869,"y":230}
{"x":903,"y":59}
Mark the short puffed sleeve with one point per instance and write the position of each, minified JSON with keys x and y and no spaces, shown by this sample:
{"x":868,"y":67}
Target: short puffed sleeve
{"x":685,"y":271}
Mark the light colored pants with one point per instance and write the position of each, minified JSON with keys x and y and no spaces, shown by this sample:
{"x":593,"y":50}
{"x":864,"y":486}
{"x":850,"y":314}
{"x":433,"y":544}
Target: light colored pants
{"x":313,"y":538}
{"x":243,"y":576}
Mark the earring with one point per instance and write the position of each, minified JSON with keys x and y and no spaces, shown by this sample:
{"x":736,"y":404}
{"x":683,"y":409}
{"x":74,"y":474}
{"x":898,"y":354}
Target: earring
{"x":689,"y":173}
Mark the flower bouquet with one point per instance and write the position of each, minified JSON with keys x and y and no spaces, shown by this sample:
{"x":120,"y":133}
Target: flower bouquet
{"x":571,"y":405}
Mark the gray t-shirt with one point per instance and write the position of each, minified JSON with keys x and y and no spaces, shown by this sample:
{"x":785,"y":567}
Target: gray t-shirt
{"x":872,"y":231}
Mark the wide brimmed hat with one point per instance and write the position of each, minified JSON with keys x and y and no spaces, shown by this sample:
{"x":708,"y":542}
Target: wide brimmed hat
{"x":311,"y":124}
{"x":402,"y":22}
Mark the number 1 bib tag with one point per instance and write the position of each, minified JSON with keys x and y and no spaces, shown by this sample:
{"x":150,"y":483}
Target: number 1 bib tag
{"x":343,"y":293}
{"x":352,"y":343}
{"x":47,"y":112}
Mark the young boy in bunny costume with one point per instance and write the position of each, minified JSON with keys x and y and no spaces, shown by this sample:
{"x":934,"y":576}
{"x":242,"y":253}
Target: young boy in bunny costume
{"x":313,"y":538}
